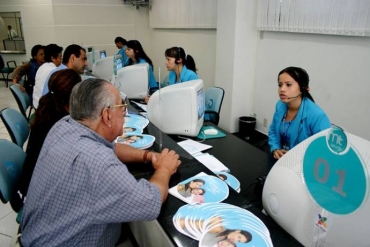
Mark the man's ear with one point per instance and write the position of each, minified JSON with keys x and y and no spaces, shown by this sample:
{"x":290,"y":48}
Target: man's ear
{"x":106,"y":117}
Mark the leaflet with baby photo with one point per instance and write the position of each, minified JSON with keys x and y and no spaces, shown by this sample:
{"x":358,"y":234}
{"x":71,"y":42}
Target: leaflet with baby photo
{"x":220,"y":225}
{"x":201,"y":188}
{"x":141,"y":141}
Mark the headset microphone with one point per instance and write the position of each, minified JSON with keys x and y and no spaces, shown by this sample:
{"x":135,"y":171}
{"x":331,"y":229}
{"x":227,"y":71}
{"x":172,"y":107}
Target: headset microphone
{"x":294,"y":96}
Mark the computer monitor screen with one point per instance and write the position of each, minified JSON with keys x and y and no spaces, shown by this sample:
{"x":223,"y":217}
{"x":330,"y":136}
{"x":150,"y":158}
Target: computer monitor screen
{"x":178,"y":109}
{"x":117,"y":63}
{"x":103,"y":68}
{"x":92,"y":59}
{"x":133,"y":80}
{"x":102,"y":54}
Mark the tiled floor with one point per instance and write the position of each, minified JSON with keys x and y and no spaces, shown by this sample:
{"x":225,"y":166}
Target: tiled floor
{"x":8,"y":225}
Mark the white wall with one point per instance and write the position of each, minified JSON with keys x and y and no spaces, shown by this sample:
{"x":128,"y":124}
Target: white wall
{"x":96,"y":23}
{"x":246,"y":65}
{"x":236,"y":41}
{"x":339,"y":73}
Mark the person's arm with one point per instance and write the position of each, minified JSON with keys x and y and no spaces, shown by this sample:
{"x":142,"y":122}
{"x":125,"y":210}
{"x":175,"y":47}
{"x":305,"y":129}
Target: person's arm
{"x":128,"y":154}
{"x":19,"y":72}
{"x":165,"y":164}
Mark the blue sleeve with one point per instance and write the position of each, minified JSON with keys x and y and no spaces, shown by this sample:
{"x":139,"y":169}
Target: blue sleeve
{"x":152,"y":81}
{"x":193,"y":76}
{"x":274,"y":133}
{"x":319,"y":122}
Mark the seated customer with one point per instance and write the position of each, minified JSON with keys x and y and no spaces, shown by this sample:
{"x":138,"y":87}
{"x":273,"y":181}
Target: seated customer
{"x":52,"y":107}
{"x":29,"y":69}
{"x":80,"y":192}
{"x":296,"y":116}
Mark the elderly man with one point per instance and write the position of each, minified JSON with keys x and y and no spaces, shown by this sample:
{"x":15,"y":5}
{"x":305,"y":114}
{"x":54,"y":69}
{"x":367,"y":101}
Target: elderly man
{"x":80,"y":191}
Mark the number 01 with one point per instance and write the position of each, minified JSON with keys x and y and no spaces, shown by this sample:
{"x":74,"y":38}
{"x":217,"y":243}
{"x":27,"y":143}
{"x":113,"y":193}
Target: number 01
{"x":325,"y":176}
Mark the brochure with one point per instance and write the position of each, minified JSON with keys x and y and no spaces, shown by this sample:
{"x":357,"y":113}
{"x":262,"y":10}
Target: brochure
{"x":141,"y":141}
{"x":201,"y":188}
{"x":136,"y":120}
{"x":229,"y":179}
{"x":221,"y":224}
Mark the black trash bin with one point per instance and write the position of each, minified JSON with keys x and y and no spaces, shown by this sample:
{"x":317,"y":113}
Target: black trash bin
{"x":246,"y":127}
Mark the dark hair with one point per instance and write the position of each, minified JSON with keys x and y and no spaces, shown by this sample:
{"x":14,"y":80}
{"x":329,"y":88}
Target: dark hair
{"x":203,"y":191}
{"x":246,"y":234}
{"x":120,"y":39}
{"x":35,"y":49}
{"x":179,"y":52}
{"x":53,"y":104}
{"x":52,"y":51}
{"x":72,"y":50}
{"x":301,"y":77}
{"x":89,"y":98}
{"x":139,"y":52}
{"x":198,"y":180}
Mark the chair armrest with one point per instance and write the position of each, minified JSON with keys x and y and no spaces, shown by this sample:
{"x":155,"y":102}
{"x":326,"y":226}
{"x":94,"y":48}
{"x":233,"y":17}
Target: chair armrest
{"x":11,"y":61}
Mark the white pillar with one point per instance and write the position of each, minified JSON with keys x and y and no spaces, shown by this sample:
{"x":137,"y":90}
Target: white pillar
{"x":235,"y":58}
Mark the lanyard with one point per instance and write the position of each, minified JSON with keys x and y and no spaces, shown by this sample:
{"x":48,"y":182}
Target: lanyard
{"x":285,"y":129}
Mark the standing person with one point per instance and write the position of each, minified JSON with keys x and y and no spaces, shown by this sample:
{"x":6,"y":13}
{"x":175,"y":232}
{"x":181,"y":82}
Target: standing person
{"x":80,"y":192}
{"x":121,"y":45}
{"x":11,"y":32}
{"x":53,"y":58}
{"x":52,"y":107}
{"x":74,"y":57}
{"x":296,"y":115}
{"x":29,"y":69}
{"x":136,"y":54}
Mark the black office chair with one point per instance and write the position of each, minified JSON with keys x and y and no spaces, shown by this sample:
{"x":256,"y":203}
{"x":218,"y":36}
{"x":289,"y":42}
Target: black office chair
{"x":7,"y":69}
{"x":214,"y":97}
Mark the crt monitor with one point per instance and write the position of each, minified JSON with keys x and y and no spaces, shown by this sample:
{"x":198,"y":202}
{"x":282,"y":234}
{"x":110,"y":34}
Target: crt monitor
{"x":133,"y":80}
{"x":103,"y":68}
{"x":90,"y":60}
{"x":319,"y":190}
{"x":178,"y":109}
{"x":102,"y":54}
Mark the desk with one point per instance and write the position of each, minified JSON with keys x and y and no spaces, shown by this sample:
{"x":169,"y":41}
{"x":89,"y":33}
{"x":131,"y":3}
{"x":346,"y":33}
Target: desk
{"x":245,"y":162}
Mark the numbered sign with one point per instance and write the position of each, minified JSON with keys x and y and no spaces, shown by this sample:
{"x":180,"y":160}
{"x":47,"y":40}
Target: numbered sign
{"x":334,"y":173}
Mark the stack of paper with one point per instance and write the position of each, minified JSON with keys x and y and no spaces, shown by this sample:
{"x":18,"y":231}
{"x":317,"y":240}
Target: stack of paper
{"x":137,"y":141}
{"x":221,"y":224}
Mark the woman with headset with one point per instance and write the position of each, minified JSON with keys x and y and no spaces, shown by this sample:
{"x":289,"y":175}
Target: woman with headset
{"x":181,"y":67}
{"x":136,"y":54}
{"x":296,"y":115}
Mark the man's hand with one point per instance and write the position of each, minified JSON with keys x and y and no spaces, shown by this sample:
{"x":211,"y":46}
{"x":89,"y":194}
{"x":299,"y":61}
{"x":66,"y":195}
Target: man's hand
{"x":167,"y":160}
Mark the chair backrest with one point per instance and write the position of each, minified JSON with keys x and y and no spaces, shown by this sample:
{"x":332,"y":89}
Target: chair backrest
{"x":2,"y":64}
{"x":16,"y":124}
{"x":214,"y":97}
{"x":11,"y":163}
{"x":22,"y":99}
{"x":213,"y":102}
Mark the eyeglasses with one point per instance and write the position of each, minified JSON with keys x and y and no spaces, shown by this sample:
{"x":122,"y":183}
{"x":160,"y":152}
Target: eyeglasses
{"x":122,"y":106}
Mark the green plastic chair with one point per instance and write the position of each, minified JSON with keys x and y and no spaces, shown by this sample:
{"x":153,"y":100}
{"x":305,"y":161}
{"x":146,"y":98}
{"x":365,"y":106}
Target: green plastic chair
{"x":213,"y":102}
{"x":23,"y":101}
{"x":11,"y":164}
{"x":16,"y":124}
{"x":7,"y":70}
